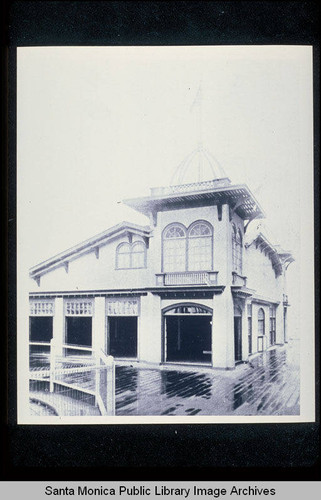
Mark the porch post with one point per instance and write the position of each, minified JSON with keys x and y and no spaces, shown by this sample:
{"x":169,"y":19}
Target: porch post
{"x":58,"y":327}
{"x":149,"y":329}
{"x":245,"y":331}
{"x":98,"y":327}
{"x":223,"y":331}
{"x":279,"y":325}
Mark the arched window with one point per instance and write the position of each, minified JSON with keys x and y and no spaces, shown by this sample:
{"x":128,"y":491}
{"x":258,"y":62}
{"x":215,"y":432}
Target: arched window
{"x":123,"y":256}
{"x":261,"y":322}
{"x":174,"y":248}
{"x":138,"y":254}
{"x":237,"y":249}
{"x":131,"y":256}
{"x":200,"y":254}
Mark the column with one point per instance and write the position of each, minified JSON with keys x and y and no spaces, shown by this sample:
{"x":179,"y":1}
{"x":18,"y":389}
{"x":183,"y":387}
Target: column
{"x":150,"y":329}
{"x":58,"y":327}
{"x":223,"y":330}
{"x":245,"y":331}
{"x":98,"y":326}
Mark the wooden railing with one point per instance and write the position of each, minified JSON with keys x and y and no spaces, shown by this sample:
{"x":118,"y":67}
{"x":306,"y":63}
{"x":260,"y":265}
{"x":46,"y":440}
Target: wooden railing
{"x":84,"y":377}
{"x":187,"y":278}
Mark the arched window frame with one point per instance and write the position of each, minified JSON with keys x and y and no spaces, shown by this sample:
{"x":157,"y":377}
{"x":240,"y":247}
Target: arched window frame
{"x":183,"y":239}
{"x":186,"y":238}
{"x":208,"y":237}
{"x":206,"y":310}
{"x":131,"y":252}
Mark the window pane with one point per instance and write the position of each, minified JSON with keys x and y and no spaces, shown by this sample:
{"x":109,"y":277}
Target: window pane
{"x":138,"y":259}
{"x":174,"y":232}
{"x":138,"y":256}
{"x":174,"y":258}
{"x":200,"y":254}
{"x":124,"y":248}
{"x":123,"y":260}
{"x":200,"y":229}
{"x":261,"y":327}
{"x":260,"y":314}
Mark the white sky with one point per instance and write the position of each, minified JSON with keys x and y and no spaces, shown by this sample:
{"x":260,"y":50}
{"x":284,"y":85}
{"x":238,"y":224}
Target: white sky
{"x":100,"y":124}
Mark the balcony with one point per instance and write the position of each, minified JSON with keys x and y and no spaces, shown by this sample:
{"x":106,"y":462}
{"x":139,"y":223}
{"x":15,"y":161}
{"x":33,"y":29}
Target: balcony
{"x":187,"y":278}
{"x":238,"y":280}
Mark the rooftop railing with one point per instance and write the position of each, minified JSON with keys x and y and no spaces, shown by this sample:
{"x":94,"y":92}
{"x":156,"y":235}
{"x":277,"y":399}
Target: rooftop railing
{"x":195,"y":186}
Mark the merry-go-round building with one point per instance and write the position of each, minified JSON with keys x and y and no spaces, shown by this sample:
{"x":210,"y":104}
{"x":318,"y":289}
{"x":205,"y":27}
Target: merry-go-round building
{"x":201,"y":284}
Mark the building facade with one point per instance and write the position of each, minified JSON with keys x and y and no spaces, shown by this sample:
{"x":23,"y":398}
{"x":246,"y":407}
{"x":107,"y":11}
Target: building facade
{"x":195,"y":286}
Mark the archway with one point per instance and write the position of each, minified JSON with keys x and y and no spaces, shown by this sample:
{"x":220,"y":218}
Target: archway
{"x":188,"y":333}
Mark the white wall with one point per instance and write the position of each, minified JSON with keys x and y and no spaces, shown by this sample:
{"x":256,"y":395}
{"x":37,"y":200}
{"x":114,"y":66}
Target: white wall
{"x":89,"y":273}
{"x":260,"y":274}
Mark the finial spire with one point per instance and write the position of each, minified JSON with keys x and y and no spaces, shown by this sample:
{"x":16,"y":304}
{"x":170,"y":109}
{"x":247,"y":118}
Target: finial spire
{"x":198,"y":106}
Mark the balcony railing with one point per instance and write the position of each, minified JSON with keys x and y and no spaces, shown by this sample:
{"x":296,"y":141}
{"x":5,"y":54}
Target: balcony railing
{"x":187,"y":278}
{"x":195,"y":186}
{"x":237,"y":279}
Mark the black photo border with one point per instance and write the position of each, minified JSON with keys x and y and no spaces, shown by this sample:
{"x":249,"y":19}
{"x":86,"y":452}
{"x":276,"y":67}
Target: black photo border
{"x":218,"y":452}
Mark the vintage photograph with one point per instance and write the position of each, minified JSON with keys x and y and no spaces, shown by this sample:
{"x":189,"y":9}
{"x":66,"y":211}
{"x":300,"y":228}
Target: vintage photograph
{"x":165,"y":234}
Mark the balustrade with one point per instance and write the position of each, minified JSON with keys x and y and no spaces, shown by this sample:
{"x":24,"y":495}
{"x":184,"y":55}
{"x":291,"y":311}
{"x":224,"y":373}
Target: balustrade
{"x":187,"y":278}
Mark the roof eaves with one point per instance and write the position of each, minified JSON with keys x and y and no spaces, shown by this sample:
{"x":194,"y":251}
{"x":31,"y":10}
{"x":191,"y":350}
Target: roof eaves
{"x":87,"y":245}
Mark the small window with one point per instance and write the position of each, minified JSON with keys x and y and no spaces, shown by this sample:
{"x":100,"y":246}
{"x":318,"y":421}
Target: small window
{"x":123,"y":256}
{"x":131,"y":256}
{"x":138,"y":255}
{"x":261,"y":322}
{"x":272,"y":326}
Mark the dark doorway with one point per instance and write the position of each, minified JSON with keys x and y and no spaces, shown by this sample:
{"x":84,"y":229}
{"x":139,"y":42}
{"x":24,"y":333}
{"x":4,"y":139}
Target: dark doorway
{"x":238,"y":337}
{"x":188,"y":338}
{"x":79,"y":331}
{"x":40,"y":329}
{"x":123,"y":336}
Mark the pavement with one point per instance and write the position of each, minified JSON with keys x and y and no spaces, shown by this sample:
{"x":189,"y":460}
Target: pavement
{"x":268,"y":385}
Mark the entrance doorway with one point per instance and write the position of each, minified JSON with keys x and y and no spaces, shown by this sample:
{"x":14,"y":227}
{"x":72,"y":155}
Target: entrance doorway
{"x":79,"y":331}
{"x":122,"y":336}
{"x":237,"y":334}
{"x":188,"y":334}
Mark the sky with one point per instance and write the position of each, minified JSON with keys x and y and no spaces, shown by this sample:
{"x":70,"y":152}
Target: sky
{"x":96,"y":125}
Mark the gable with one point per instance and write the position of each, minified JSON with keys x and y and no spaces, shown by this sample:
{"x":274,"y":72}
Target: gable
{"x":89,"y":263}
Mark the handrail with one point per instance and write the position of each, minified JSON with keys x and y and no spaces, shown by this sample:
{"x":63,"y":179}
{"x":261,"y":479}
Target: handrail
{"x":100,"y":366}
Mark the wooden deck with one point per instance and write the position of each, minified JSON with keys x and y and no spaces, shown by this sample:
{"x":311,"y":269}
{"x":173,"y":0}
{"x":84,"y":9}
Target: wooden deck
{"x":268,"y":385}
